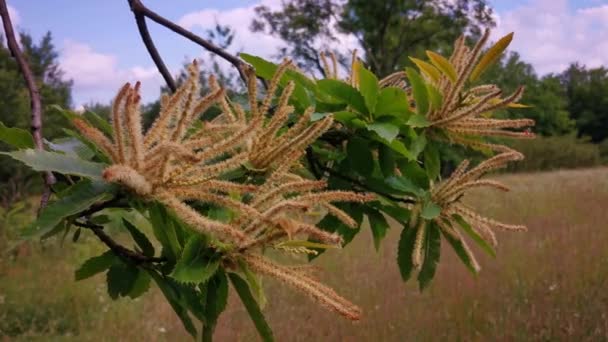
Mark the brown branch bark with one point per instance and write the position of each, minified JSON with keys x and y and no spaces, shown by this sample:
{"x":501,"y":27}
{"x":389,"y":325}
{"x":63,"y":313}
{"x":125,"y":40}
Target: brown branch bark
{"x":35,"y":103}
{"x":118,"y":249}
{"x":141,"y":12}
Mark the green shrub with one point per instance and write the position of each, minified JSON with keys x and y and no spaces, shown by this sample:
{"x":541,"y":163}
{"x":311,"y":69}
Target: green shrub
{"x":560,"y":152}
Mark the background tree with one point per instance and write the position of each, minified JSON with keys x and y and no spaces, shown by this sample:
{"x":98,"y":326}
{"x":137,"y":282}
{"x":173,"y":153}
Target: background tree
{"x":586,"y":90}
{"x":387,"y":32}
{"x":15,"y":108}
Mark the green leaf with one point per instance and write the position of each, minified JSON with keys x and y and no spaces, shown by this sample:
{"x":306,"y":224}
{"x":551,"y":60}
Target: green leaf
{"x":360,"y":156}
{"x":460,"y":249}
{"x":318,"y":116}
{"x":252,"y":307}
{"x":344,"y":116}
{"x":120,"y":279}
{"x":72,"y":147}
{"x":196,"y":264}
{"x":255,"y":284}
{"x":140,"y":286}
{"x":379,"y":226}
{"x":16,"y":137}
{"x":266,"y":70}
{"x":98,"y":122}
{"x":432,"y":251}
{"x":173,"y":297}
{"x":432,"y":162}
{"x":140,"y":238}
{"x":95,"y":265}
{"x":404,"y":252}
{"x":474,"y":235}
{"x":418,"y":143}
{"x":421,"y":94}
{"x":418,"y":120}
{"x":430,"y":210}
{"x":412,"y":171}
{"x":393,"y":101}
{"x":77,"y":198}
{"x":51,"y":161}
{"x":427,"y":69}
{"x":443,"y":65}
{"x":491,"y":56}
{"x":164,"y":230}
{"x":399,"y":147}
{"x":343,"y":93}
{"x":386,"y":158}
{"x":216,"y":296}
{"x":403,"y":184}
{"x":385,"y":130}
{"x":435,"y":97}
{"x":368,"y":86}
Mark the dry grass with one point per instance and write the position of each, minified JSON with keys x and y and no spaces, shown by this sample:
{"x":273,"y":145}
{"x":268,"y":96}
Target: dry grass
{"x":547,"y":284}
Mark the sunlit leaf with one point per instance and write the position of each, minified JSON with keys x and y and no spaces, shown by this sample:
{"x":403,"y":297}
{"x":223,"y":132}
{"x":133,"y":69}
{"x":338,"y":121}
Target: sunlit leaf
{"x":427,"y":69}
{"x":491,"y":56}
{"x":393,"y":101}
{"x":195,"y":264}
{"x":386,"y":130}
{"x":430,"y":210}
{"x":368,"y":86}
{"x":421,"y":94}
{"x":40,"y":160}
{"x":343,"y":93}
{"x":442,"y":64}
{"x":16,"y":137}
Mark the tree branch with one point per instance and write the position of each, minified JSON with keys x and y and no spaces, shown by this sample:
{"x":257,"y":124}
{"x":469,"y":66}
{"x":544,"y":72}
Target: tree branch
{"x":141,"y":11}
{"x":35,"y":103}
{"x":119,"y":250}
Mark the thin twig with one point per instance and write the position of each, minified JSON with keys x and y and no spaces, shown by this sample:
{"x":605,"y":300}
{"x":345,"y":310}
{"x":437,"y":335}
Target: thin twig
{"x":35,"y":103}
{"x":139,"y":9}
{"x":119,"y":250}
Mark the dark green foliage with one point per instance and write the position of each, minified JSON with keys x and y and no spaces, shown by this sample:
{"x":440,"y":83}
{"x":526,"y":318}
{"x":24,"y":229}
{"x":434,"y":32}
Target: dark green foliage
{"x":432,"y":251}
{"x":95,"y":265}
{"x":243,"y":290}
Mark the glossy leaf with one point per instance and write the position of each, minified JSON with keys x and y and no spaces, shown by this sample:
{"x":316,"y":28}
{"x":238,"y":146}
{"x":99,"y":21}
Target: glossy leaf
{"x":95,"y":265}
{"x":432,"y":251}
{"x":491,"y":56}
{"x":418,"y":120}
{"x":344,"y":93}
{"x":443,"y":65}
{"x":385,"y":130}
{"x":71,"y":146}
{"x":40,"y":160}
{"x":430,"y":210}
{"x":16,"y":137}
{"x":427,"y":68}
{"x":252,"y":307}
{"x":368,"y":87}
{"x":140,"y":238}
{"x":393,"y":101}
{"x":195,"y":264}
{"x":77,"y":198}
{"x":421,"y":94}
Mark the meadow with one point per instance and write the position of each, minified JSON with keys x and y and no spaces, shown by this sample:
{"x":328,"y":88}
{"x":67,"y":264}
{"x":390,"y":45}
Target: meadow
{"x":547,"y":284}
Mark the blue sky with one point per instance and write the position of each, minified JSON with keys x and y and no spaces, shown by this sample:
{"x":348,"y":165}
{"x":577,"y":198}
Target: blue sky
{"x":100,"y":48}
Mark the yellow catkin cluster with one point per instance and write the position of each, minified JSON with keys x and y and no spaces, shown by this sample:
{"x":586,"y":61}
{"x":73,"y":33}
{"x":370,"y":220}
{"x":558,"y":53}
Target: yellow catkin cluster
{"x":463,"y":112}
{"x":448,"y":195}
{"x":180,"y":159}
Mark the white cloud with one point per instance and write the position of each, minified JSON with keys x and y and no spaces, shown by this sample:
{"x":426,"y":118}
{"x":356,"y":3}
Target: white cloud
{"x":97,"y":75}
{"x":15,"y":20}
{"x":550,"y":35}
{"x":240,"y":19}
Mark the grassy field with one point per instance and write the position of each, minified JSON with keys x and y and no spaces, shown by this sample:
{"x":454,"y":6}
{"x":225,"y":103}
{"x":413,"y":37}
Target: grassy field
{"x":550,"y":283}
